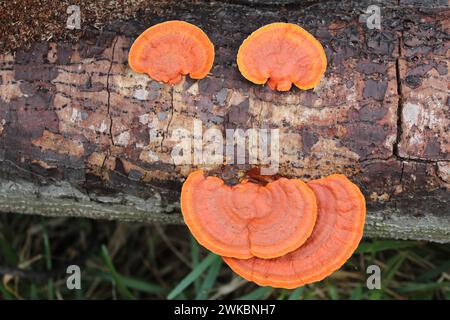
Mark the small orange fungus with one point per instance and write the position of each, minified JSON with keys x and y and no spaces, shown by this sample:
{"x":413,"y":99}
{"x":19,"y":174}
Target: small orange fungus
{"x":169,"y":50}
{"x":282,"y":54}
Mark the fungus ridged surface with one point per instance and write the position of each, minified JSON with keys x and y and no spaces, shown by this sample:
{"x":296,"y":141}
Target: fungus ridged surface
{"x":282,"y":54}
{"x":336,"y":235}
{"x":169,"y":50}
{"x":248,"y":219}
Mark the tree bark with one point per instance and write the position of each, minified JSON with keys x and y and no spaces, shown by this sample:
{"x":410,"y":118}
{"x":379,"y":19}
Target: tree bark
{"x":82,"y":135}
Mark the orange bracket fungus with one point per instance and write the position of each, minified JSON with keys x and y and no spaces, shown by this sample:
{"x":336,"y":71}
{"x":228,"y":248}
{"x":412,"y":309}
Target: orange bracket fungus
{"x":282,"y":54}
{"x":248,"y":219}
{"x":336,"y":234}
{"x":169,"y":50}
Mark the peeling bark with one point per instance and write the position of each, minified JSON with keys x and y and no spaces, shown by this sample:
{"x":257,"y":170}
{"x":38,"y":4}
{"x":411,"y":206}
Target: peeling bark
{"x":82,"y":135}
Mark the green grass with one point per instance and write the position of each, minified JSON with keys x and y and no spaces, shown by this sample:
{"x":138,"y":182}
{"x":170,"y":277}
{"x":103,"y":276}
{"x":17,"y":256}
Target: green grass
{"x":117,"y":280}
{"x":210,"y":280}
{"x":48,"y":264}
{"x":193,"y":275}
{"x":133,"y":261}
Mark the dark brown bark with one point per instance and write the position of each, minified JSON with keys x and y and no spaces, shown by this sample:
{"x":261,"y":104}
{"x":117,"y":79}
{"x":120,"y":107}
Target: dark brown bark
{"x":75,"y":119}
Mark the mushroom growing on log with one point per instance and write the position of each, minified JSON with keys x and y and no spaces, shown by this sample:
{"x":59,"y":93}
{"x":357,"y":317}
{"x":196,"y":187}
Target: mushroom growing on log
{"x":336,"y":235}
{"x":171,"y":49}
{"x":83,"y":135}
{"x":248,"y":220}
{"x":281,"y":54}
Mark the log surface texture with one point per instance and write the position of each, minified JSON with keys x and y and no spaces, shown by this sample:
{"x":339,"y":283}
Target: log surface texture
{"x":82,"y":135}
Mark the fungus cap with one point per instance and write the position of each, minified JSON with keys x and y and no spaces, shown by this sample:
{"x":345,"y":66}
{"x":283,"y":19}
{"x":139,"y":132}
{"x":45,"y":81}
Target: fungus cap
{"x":338,"y":230}
{"x":282,"y":54}
{"x":248,"y":219}
{"x":169,"y":50}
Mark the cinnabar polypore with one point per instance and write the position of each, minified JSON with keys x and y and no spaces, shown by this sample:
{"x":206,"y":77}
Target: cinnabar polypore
{"x":169,"y":50}
{"x":282,"y":54}
{"x":338,"y":230}
{"x":248,"y":219}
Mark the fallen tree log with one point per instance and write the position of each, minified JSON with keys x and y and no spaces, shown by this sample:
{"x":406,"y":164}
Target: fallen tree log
{"x":82,"y":135}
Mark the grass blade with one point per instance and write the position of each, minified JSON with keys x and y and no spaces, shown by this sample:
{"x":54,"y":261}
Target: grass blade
{"x":310,"y":295}
{"x":357,"y":293}
{"x":48,"y":263}
{"x":5,"y":294}
{"x":392,"y":267}
{"x":195,"y":259}
{"x":332,"y":292}
{"x":118,"y":281}
{"x":193,"y":275}
{"x":445,"y":267}
{"x":257,"y":294}
{"x":142,"y":286}
{"x":33,"y":292}
{"x":136,"y":284}
{"x":8,"y":251}
{"x":420,"y":287}
{"x":210,"y":280}
{"x":382,"y":245}
{"x":295,"y":295}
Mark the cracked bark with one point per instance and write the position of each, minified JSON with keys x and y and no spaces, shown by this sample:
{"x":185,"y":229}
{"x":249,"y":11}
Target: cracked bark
{"x":82,"y":135}
{"x":108,"y":91}
{"x":166,"y":131}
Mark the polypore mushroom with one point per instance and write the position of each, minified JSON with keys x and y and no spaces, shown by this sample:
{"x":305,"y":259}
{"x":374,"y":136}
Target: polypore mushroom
{"x":282,"y":54}
{"x":248,"y":219}
{"x":338,"y":230}
{"x":169,"y":50}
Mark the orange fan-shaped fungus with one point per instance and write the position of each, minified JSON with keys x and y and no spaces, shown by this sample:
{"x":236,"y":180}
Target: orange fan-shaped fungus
{"x":171,"y":49}
{"x":338,"y":230}
{"x":282,"y":54}
{"x":248,"y":219}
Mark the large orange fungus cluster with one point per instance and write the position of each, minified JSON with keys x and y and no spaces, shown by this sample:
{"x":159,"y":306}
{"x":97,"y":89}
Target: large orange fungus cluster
{"x":285,"y":234}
